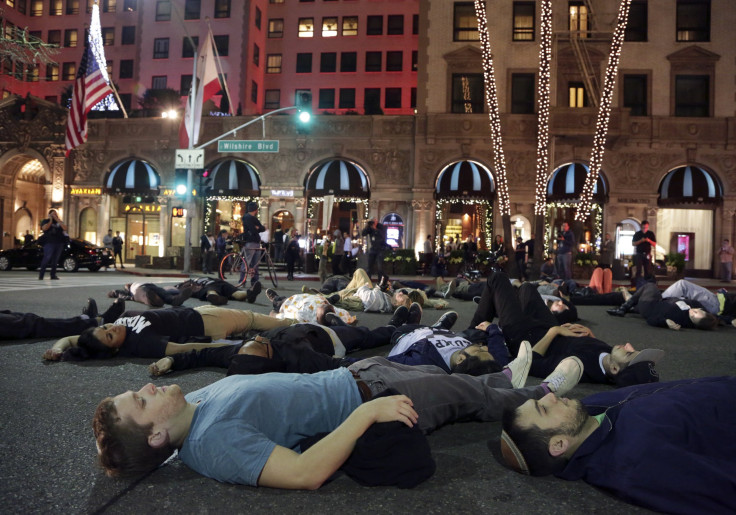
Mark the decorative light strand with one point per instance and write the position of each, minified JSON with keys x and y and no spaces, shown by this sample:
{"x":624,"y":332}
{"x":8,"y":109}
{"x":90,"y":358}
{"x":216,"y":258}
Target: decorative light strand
{"x":355,"y":200}
{"x":543,"y":103}
{"x":210,"y":204}
{"x":486,"y":222}
{"x":604,"y":114}
{"x":98,"y":50}
{"x":491,"y":93}
{"x":596,"y":209}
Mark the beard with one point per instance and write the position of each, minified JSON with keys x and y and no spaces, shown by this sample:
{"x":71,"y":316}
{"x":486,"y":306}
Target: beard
{"x":577,"y":424}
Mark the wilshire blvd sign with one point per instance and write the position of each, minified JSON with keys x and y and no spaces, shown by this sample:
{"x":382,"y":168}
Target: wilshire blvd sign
{"x":253,"y":145}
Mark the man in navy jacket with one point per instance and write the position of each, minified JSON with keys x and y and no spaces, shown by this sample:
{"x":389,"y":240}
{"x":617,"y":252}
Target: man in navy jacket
{"x":669,"y":447}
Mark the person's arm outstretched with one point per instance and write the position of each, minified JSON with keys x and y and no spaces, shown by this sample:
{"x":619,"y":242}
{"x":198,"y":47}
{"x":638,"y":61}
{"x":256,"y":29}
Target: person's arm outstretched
{"x":288,"y":469}
{"x":55,"y":352}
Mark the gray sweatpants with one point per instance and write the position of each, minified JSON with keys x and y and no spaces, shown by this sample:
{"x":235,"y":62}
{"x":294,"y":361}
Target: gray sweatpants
{"x":440,"y":398}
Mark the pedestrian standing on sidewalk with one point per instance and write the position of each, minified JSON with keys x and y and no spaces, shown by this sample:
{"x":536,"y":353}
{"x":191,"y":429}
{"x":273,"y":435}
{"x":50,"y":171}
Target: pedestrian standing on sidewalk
{"x":117,"y":248}
{"x":107,"y":243}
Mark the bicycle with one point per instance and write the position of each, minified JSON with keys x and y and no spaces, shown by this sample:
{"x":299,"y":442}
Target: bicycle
{"x":234,"y":267}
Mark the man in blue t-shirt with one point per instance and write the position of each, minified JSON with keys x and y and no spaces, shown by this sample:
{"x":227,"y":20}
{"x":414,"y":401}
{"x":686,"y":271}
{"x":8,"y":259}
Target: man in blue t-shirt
{"x":247,"y":429}
{"x":666,"y":446}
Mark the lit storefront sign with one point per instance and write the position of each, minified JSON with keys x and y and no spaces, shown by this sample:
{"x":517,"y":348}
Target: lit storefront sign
{"x":142,"y":208}
{"x":282,"y":193}
{"x":86,"y":191}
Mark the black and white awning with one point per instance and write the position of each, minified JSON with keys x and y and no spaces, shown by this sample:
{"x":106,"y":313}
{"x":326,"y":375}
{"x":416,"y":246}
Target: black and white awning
{"x":566,"y":183}
{"x":132,"y":176}
{"x":234,"y":178}
{"x":340,"y":178}
{"x":468,"y":179}
{"x":690,"y":185}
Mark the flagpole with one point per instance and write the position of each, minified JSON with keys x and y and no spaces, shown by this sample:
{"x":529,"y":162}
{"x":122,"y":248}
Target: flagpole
{"x":117,"y":97}
{"x":186,"y":268}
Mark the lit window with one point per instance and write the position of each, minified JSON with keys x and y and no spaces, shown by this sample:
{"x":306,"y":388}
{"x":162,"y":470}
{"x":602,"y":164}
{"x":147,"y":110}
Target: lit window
{"x":465,"y":23}
{"x":523,"y":29}
{"x":276,"y":28}
{"x":329,"y":27}
{"x":306,"y":27}
{"x":68,"y":71}
{"x":693,"y":20}
{"x":578,"y":18}
{"x":576,"y":94}
{"x":349,"y":25}
{"x":273,"y":63}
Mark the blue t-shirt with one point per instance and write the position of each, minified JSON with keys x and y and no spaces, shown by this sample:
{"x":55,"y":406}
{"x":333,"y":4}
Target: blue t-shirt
{"x":241,"y":419}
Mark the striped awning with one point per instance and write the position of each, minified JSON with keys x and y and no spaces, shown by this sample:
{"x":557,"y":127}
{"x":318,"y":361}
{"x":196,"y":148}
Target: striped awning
{"x":567,"y":183}
{"x":690,"y":185}
{"x":339,"y":178}
{"x":132,"y":176}
{"x":468,"y":179}
{"x":234,"y":178}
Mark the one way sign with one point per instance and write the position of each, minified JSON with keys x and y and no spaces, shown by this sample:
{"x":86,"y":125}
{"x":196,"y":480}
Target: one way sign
{"x":191,"y":159}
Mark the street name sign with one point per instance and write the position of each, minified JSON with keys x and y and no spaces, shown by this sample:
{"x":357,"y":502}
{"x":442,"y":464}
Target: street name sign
{"x":248,"y":145}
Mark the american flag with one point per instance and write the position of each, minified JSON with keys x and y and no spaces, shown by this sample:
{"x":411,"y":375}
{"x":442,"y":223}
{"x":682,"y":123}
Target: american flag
{"x":89,"y":89}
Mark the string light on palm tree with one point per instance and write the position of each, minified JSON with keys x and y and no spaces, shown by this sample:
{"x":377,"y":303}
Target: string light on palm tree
{"x":491,"y":94}
{"x":604,"y":114}
{"x":543,"y":103}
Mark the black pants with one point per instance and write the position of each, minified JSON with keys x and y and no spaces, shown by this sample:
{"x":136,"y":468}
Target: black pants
{"x":645,"y":299}
{"x":522,"y":316}
{"x":51,"y":254}
{"x":15,"y":325}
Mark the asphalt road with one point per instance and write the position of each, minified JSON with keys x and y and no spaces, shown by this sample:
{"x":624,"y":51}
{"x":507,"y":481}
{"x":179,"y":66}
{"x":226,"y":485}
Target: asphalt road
{"x":48,"y":451}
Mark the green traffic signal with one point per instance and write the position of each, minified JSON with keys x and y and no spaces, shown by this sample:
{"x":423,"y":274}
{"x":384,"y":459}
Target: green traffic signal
{"x":304,"y":106}
{"x":180,"y":182}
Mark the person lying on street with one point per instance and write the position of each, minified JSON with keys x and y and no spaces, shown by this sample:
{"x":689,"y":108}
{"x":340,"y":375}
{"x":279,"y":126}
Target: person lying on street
{"x":17,"y":326}
{"x":160,"y":332}
{"x":523,"y":315}
{"x":151,"y":294}
{"x":673,"y":313}
{"x":217,"y":292}
{"x":668,"y":447}
{"x":309,"y":348}
{"x":246,"y":429}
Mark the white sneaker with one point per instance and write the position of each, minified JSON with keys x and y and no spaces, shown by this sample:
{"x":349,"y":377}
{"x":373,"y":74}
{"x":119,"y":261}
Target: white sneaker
{"x":520,"y":366}
{"x":565,"y":376}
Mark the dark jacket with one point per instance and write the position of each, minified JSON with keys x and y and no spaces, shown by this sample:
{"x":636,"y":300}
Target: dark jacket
{"x":666,"y":446}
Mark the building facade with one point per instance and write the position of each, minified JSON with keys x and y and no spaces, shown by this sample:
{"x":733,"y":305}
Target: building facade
{"x":411,"y":142}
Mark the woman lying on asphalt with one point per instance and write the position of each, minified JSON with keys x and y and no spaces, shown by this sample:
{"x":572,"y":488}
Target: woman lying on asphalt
{"x":161,"y":332}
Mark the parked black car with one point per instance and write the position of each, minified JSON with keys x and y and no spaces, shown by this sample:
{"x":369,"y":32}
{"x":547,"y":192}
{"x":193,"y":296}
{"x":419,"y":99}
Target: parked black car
{"x":77,"y":253}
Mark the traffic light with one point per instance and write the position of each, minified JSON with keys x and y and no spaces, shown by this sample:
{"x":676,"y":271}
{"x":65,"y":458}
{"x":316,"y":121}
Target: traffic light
{"x":180,"y":182}
{"x":304,"y":106}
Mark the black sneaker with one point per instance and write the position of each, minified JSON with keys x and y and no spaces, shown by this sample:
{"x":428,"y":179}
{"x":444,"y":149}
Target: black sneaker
{"x":401,"y":315}
{"x":333,"y":299}
{"x":616,"y":312}
{"x":476,"y":299}
{"x":334,"y":320}
{"x":271,"y":294}
{"x":415,"y":314}
{"x":253,"y":292}
{"x":114,"y":311}
{"x":446,"y":321}
{"x":90,"y":309}
{"x":216,"y":299}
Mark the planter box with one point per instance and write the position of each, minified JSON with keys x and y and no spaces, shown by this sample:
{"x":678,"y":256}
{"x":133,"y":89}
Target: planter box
{"x":143,"y":261}
{"x":166,"y":262}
